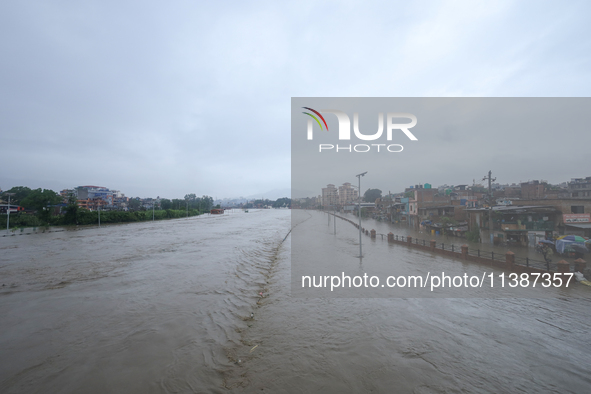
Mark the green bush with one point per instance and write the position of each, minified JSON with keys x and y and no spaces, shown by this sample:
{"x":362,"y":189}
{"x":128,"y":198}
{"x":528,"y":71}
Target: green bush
{"x":20,"y":220}
{"x":473,"y":236}
{"x":84,"y":217}
{"x":88,"y":217}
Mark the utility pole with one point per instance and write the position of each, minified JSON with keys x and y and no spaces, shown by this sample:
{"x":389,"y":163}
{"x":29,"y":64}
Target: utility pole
{"x":99,"y":214}
{"x":359,"y":178}
{"x":8,"y":210}
{"x":335,"y":220}
{"x":152,"y":210}
{"x":490,"y":205}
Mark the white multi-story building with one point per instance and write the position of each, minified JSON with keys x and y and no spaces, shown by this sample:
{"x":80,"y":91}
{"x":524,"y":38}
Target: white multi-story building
{"x":347,"y":194}
{"x":330,"y":195}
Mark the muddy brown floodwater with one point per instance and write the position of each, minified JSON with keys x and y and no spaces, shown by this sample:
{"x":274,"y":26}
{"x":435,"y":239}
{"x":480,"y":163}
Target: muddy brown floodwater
{"x":175,"y":307}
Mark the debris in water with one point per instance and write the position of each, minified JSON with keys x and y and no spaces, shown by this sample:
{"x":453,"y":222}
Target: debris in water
{"x":579,"y":276}
{"x":253,"y":348}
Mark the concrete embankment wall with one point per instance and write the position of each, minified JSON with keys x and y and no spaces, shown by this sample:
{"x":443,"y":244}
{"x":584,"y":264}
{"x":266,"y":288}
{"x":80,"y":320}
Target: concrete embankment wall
{"x":507,"y":263}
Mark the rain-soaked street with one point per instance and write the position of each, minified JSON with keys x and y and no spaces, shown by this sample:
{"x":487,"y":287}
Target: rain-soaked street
{"x":175,"y":307}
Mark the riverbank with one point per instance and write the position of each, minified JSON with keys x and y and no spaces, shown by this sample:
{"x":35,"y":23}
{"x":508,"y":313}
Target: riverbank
{"x":25,"y":224}
{"x":486,"y":249}
{"x":504,"y":261}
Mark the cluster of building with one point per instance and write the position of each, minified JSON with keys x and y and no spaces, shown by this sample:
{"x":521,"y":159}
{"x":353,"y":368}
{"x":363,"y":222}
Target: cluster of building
{"x":520,"y":213}
{"x":342,"y":195}
{"x":99,"y":197}
{"x":331,"y":197}
{"x":95,"y":197}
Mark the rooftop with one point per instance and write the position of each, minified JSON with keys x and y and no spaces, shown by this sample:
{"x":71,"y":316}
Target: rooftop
{"x":516,"y":209}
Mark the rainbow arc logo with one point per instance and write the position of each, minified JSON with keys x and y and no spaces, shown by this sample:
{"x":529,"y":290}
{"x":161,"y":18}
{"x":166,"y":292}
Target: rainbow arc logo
{"x":315,"y":118}
{"x":344,"y":127}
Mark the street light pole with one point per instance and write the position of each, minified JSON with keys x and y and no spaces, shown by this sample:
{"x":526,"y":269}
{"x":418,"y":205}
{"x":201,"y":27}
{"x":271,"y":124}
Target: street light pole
{"x":359,"y":178}
{"x":8,"y":211}
{"x":490,"y":205}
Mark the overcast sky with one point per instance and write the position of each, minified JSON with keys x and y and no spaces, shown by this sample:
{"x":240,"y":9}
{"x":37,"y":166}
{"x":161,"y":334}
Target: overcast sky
{"x":155,"y":98}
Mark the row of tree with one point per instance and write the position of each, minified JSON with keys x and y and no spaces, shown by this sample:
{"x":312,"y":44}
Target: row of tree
{"x":283,"y":202}
{"x":33,"y":199}
{"x":191,"y":201}
{"x":44,"y":203}
{"x":74,"y":215}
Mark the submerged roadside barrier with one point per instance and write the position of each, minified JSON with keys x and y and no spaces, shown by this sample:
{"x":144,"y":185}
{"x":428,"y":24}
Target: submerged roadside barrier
{"x":507,"y":261}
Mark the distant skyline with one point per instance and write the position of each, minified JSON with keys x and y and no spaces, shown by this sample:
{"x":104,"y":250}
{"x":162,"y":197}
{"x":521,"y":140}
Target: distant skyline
{"x":194,"y":97}
{"x":286,"y":192}
{"x":368,"y":183}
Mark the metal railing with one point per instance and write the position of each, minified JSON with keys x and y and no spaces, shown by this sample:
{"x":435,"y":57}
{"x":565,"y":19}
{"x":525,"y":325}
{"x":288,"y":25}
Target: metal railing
{"x":544,"y":265}
{"x":485,"y":254}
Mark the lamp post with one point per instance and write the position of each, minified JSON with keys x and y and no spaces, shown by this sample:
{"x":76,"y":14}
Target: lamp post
{"x":490,"y":206}
{"x":334,"y":218}
{"x":359,"y":178}
{"x":8,"y":210}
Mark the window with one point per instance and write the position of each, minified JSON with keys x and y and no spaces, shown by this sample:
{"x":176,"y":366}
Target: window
{"x":577,"y":209}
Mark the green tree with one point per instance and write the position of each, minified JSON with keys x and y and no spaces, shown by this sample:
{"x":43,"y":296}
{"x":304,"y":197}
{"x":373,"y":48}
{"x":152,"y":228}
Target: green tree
{"x":205,"y":203}
{"x":134,"y":204}
{"x":165,"y":203}
{"x":282,"y":202}
{"x":71,"y":210}
{"x":473,"y":235}
{"x":177,"y":204}
{"x":20,"y":193}
{"x":41,"y":201}
{"x":371,"y":195}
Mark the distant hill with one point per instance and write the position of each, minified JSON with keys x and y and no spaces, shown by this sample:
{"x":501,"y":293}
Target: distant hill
{"x":279,"y":193}
{"x":271,"y":194}
{"x":304,"y":193}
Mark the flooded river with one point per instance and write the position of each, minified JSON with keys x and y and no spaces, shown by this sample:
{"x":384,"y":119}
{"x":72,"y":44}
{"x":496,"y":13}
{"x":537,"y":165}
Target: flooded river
{"x":176,"y":307}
